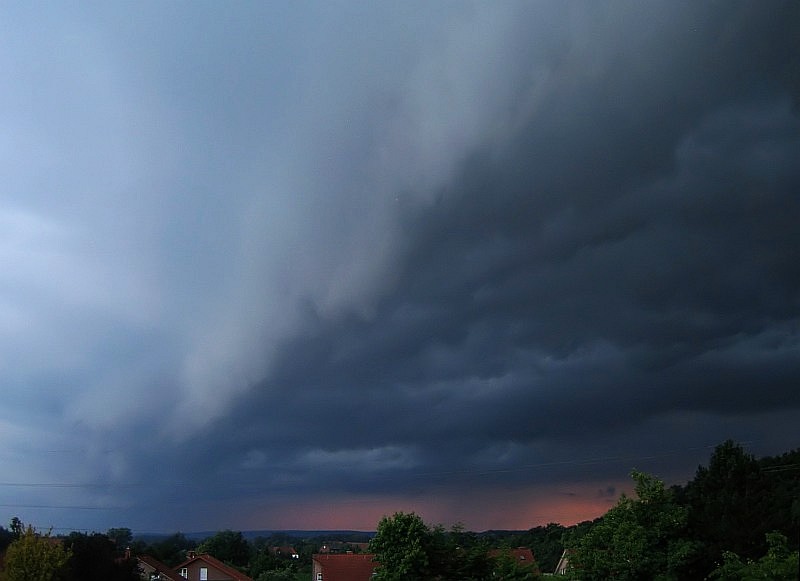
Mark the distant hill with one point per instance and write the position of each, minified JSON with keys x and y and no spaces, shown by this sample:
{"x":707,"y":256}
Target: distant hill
{"x":251,"y":535}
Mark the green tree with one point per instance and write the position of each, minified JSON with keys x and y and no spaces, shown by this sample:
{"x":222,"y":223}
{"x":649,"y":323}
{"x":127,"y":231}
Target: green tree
{"x":94,"y":558}
{"x":171,"y":550}
{"x":121,"y":537}
{"x":457,"y":555}
{"x":17,"y":528}
{"x":642,"y":538}
{"x":264,"y":566}
{"x":778,"y":564}
{"x":406,"y":548}
{"x":6,"y":538}
{"x":228,"y":546}
{"x":401,"y":546}
{"x":34,"y":557}
{"x":466,"y":556}
{"x":286,"y":573}
{"x":507,"y":568}
{"x":782,"y":508}
{"x":546,"y":543}
{"x":729,"y":506}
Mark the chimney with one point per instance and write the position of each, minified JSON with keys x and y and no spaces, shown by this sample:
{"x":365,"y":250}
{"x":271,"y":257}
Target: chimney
{"x":191,"y":554}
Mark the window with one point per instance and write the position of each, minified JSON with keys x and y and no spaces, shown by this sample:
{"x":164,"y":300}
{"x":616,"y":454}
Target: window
{"x":319,"y":576}
{"x":184,"y":572}
{"x":203,"y":573}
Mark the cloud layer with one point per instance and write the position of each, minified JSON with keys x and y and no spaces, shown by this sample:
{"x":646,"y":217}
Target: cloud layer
{"x":360,"y":258}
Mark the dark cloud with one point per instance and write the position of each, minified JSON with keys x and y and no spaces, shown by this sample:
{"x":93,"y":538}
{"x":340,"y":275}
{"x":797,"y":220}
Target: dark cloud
{"x":459,"y":256}
{"x":609,"y":491}
{"x":626,"y":254}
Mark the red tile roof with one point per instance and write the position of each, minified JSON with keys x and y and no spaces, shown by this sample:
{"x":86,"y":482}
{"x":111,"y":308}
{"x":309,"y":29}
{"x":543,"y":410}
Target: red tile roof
{"x":217,"y":564}
{"x":167,"y":573}
{"x":346,"y":567}
{"x":283,"y":551}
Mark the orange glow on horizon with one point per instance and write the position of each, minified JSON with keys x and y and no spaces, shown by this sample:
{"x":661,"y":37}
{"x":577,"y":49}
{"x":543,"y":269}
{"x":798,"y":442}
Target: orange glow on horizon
{"x":519,"y":509}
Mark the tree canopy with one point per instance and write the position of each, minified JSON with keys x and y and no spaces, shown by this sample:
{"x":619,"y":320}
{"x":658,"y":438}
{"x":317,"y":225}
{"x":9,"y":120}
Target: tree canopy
{"x":729,"y":518}
{"x":94,"y":557}
{"x":228,"y":546}
{"x":401,"y":546}
{"x":34,"y":556}
{"x":408,"y":549}
{"x":641,"y":538}
{"x":779,"y":564}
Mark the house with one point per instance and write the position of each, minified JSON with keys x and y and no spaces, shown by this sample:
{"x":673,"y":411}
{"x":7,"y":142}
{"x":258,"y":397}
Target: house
{"x":287,"y":552}
{"x":151,"y":569}
{"x":342,"y":567}
{"x":207,"y":568}
{"x":563,"y":563}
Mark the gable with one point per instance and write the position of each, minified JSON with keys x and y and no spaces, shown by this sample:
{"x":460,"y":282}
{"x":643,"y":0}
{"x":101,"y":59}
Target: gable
{"x":215,"y":570}
{"x":343,"y":567}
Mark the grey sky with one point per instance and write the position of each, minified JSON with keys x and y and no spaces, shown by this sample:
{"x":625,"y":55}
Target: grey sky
{"x":356,"y":257}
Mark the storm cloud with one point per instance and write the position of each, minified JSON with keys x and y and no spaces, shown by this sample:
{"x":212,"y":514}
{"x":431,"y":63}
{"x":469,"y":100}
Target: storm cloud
{"x":299,"y":266}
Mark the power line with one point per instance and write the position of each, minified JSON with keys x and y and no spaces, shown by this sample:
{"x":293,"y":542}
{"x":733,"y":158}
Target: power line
{"x":783,"y":468}
{"x":56,"y":485}
{"x":591,"y":461}
{"x":59,"y":507}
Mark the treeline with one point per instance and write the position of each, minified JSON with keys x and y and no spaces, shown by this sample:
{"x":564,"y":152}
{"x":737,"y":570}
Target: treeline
{"x":738,"y":518}
{"x":407,"y":549}
{"x":546,"y":542}
{"x":29,"y":554}
{"x":110,"y":556}
{"x":255,"y":558}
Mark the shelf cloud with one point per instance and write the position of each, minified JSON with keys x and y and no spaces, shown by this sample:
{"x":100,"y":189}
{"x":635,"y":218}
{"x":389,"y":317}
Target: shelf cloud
{"x":475,"y":260}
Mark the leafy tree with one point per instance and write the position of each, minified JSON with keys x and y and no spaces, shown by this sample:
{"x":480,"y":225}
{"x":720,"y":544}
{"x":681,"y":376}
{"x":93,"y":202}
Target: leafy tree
{"x":34,"y":557}
{"x":778,"y":564}
{"x":468,"y":555}
{"x":17,"y":527}
{"x":121,"y":537}
{"x":641,"y":538}
{"x":401,"y":546}
{"x":6,"y":538}
{"x":507,"y":568}
{"x":457,"y":555}
{"x":94,"y":558}
{"x":228,"y":546}
{"x":286,"y":573}
{"x":406,"y":548}
{"x":172,"y":550}
{"x":729,"y":506}
{"x":261,"y":562}
{"x":264,"y":566}
{"x":782,"y":507}
{"x":546,"y":542}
